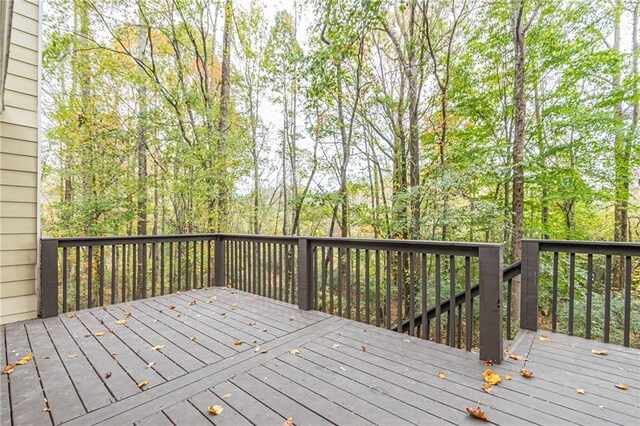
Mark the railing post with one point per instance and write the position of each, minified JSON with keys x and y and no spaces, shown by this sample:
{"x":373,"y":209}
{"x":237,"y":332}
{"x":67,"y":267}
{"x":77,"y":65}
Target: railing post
{"x":529,"y":285}
{"x":219,"y":272}
{"x":491,"y":303}
{"x":48,"y":278}
{"x":305,"y":274}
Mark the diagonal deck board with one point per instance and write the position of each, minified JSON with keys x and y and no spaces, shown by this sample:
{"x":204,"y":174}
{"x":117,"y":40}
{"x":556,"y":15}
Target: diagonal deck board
{"x":345,"y":373}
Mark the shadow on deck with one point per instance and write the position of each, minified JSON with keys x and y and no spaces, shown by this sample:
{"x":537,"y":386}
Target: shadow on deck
{"x":228,"y":347}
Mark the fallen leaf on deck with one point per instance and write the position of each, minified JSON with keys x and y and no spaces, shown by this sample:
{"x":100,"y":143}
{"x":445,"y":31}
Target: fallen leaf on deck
{"x":107,"y":374}
{"x":488,"y":363}
{"x":264,"y":329}
{"x":193,"y":302}
{"x":216,"y":410}
{"x":121,"y":322}
{"x":581,"y":391}
{"x":263,"y":351}
{"x":516,"y":357}
{"x":238,"y":342}
{"x":127,"y":314}
{"x":223,"y":314}
{"x":251,"y":323}
{"x":8,"y":369}
{"x":441,"y":375}
{"x":599,"y":351}
{"x":209,"y":301}
{"x":71,"y":315}
{"x":336,"y":345}
{"x":179,"y":315}
{"x":45,"y":357}
{"x":477,"y":413}
{"x":225,"y":396}
{"x":508,"y":377}
{"x":406,"y":340}
{"x":100,"y":333}
{"x":288,"y":422}
{"x":104,"y":308}
{"x":290,"y":318}
{"x":25,"y":359}
{"x":254,"y":341}
{"x":233,"y":307}
{"x":364,"y":349}
{"x":157,"y":347}
{"x":294,"y":351}
{"x":143,"y":384}
{"x":622,"y":386}
{"x":151,"y":364}
{"x":172,"y":306}
{"x":193,"y":338}
{"x":111,"y":330}
{"x":526,"y":373}
{"x":491,"y":377}
{"x":46,"y":409}
{"x":113,"y":354}
{"x":72,"y":356}
{"x":487,"y":387}
{"x":544,"y":337}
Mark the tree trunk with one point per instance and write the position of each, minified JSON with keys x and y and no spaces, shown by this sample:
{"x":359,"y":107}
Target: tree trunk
{"x":223,"y":123}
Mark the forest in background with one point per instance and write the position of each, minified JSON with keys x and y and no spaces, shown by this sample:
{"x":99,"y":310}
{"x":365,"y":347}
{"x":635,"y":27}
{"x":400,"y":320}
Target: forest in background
{"x":442,"y":120}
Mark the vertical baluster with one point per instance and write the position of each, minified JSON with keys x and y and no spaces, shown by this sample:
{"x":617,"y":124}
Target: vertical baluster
{"x":123,"y":296}
{"x":259,"y":268}
{"x":627,"y":301}
{"x":438,"y":329}
{"x":179,"y":265}
{"x":170,"y":267}
{"x":554,"y":303}
{"x":315,"y":276}
{"x":101,"y":272}
{"x":459,"y":335}
{"x":90,"y":277}
{"x":143,"y":275}
{"x":187,"y":280}
{"x":400,"y":284}
{"x":367,"y":284}
{"x":412,"y":293}
{"x":378,"y":296}
{"x":357,"y":285}
{"x":607,"y":298}
{"x":65,"y":279}
{"x":154,"y":272}
{"x":209,"y":283}
{"x":134,"y":283}
{"x":269,"y":270}
{"x":587,"y":328}
{"x":114,"y":273}
{"x":331,"y":311}
{"x":194,"y":283}
{"x":340,"y":289}
{"x":468,"y":302}
{"x":572,"y":275}
{"x":388,"y":299}
{"x":324,"y":279}
{"x":294,"y":275}
{"x":424,"y":294}
{"x":452,"y":302}
{"x":162,"y":272}
{"x":509,"y":288}
{"x":347,"y":282}
{"x":201,"y":284}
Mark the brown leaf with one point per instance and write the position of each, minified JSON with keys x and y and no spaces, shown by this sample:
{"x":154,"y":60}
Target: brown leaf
{"x":488,"y":363}
{"x":107,"y":374}
{"x":179,"y":315}
{"x":516,"y":357}
{"x":216,"y":410}
{"x":263,"y":351}
{"x":622,"y":386}
{"x":294,"y":351}
{"x":441,"y":375}
{"x":477,"y":413}
{"x":193,"y":338}
{"x":288,"y":422}
{"x":526,"y":373}
{"x":599,"y":351}
{"x":45,"y":357}
{"x":25,"y":359}
{"x":491,"y":377}
{"x":100,"y":333}
{"x":143,"y":383}
{"x":172,"y":306}
{"x":251,"y":323}
{"x":264,"y":330}
{"x":581,"y":391}
{"x":127,"y":314}
{"x":209,"y":301}
{"x":104,"y":308}
{"x":121,"y":322}
{"x":157,"y":348}
{"x":508,"y":377}
{"x":71,"y":315}
{"x":544,"y":337}
{"x":238,"y":342}
{"x":8,"y":369}
{"x":193,"y":302}
{"x":364,"y":349}
{"x":46,"y":409}
{"x":487,"y":387}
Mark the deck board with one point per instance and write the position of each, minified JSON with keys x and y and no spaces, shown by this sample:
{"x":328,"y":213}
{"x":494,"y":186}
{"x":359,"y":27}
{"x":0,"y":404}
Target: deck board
{"x":345,"y":372}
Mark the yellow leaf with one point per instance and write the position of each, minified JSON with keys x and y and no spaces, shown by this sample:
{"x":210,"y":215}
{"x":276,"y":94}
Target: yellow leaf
{"x":127,"y":314}
{"x":121,"y":322}
{"x":526,"y":373}
{"x":157,"y":347}
{"x":544,"y":338}
{"x":143,"y":384}
{"x":100,"y":333}
{"x":508,"y":377}
{"x":263,"y":351}
{"x":25,"y":359}
{"x":294,"y":351}
{"x":487,"y":387}
{"x":516,"y":357}
{"x":491,"y":377}
{"x":193,"y":338}
{"x":581,"y":391}
{"x":8,"y":369}
{"x":216,"y":410}
{"x":233,"y":307}
{"x":238,"y":342}
{"x":71,"y":315}
{"x":288,"y":422}
{"x":477,"y":413}
{"x":622,"y":386}
{"x":599,"y":351}
{"x":441,"y":375}
{"x":72,"y":356}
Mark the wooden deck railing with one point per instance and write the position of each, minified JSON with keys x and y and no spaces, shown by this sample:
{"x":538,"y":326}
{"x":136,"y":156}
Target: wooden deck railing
{"x":381,"y":282}
{"x":582,"y":288}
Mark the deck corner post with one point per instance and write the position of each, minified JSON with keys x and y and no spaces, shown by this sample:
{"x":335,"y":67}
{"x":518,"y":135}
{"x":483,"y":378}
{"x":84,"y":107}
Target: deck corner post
{"x":48,"y":278}
{"x":491,"y":346}
{"x":529,"y":286}
{"x":219,"y":262}
{"x":305,"y":271}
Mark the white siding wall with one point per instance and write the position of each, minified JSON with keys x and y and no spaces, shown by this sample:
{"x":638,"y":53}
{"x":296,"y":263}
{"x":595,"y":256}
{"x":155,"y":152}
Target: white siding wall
{"x":19,"y":179}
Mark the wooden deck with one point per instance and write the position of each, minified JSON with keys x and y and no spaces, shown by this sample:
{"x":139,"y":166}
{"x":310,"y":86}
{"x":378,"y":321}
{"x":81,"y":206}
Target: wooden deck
{"x":345,"y":372}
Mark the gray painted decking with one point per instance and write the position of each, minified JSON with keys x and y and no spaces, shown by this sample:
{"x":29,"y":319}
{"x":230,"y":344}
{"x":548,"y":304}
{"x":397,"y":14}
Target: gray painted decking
{"x":345,"y":372}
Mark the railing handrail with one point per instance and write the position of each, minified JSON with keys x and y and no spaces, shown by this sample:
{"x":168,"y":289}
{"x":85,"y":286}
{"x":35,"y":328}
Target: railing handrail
{"x":613,"y":248}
